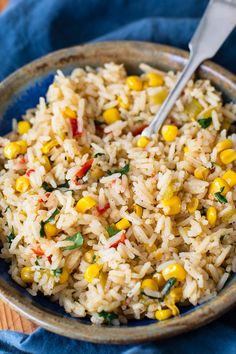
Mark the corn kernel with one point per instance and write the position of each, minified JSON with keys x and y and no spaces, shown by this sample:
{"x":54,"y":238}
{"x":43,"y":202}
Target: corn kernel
{"x":230,"y":177}
{"x":22,"y":184}
{"x":174,"y":270}
{"x":228,"y":156}
{"x":122,"y":103}
{"x":103,"y":279}
{"x":27,"y":275}
{"x":23,"y":146}
{"x":224,"y":144}
{"x":193,"y":109}
{"x":134,"y":83}
{"x":46,"y":163}
{"x":150,"y":284}
{"x":12,"y":150}
{"x":176,"y":294}
{"x":228,"y":215}
{"x":159,"y":97}
{"x":138,"y":210}
{"x":150,"y":249}
{"x":88,"y":256}
{"x":217,"y":185}
{"x":162,"y":315}
{"x":211,"y":216}
{"x":64,"y":276}
{"x":169,"y":132}
{"x":69,"y":113}
{"x":47,"y":147}
{"x":111,"y":115}
{"x":173,"y":204}
{"x":96,"y":172}
{"x":169,"y":191}
{"x":123,"y":224}
{"x":50,"y":230}
{"x":143,"y":141}
{"x":159,"y":279}
{"x":186,"y":149}
{"x":201,"y":172}
{"x":85,"y":204}
{"x":154,"y":79}
{"x":92,"y":272}
{"x":193,"y":205}
{"x":23,"y":127}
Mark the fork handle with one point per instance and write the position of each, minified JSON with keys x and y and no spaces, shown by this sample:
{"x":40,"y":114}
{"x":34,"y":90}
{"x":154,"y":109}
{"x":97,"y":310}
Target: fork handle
{"x":205,"y":42}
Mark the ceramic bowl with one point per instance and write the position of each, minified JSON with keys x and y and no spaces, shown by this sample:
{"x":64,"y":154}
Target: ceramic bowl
{"x":22,"y":90}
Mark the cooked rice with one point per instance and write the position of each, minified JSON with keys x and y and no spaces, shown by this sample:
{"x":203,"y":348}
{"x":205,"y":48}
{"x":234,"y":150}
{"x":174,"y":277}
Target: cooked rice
{"x":207,"y":254}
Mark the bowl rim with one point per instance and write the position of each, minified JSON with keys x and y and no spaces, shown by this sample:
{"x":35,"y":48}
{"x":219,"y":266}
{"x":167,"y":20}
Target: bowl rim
{"x":103,"y":334}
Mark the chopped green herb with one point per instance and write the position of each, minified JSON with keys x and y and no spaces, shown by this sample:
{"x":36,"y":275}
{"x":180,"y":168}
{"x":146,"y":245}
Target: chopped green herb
{"x":168,"y":285}
{"x":98,"y":154}
{"x":50,"y":219}
{"x":48,"y":188}
{"x":205,"y":122}
{"x":123,"y":171}
{"x":108,"y":317}
{"x":94,"y":259}
{"x":112,"y":230}
{"x":37,"y":260}
{"x":77,"y":239}
{"x":221,"y":199}
{"x":11,"y":236}
{"x":57,"y":272}
{"x":7,"y":209}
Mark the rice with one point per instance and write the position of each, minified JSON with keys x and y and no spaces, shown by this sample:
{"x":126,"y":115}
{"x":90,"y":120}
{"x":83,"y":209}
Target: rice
{"x":119,"y":176}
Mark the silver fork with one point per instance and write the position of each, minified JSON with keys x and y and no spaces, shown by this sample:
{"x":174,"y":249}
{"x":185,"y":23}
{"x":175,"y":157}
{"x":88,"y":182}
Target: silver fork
{"x":216,"y":24}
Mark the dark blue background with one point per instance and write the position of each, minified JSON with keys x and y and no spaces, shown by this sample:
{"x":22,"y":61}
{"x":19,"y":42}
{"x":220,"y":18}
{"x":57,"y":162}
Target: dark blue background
{"x":32,"y":28}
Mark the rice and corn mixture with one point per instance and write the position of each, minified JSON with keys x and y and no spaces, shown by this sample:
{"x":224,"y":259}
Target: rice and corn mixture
{"x":111,"y":224}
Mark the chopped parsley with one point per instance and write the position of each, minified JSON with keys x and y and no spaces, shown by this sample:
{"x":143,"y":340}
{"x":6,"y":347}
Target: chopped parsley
{"x":11,"y":236}
{"x":108,"y":316}
{"x":220,"y":198}
{"x":48,"y":188}
{"x":123,"y":171}
{"x":112,"y":230}
{"x":77,"y":239}
{"x":57,"y":272}
{"x":167,"y":287}
{"x":98,"y":154}
{"x":37,"y":260}
{"x":50,"y":219}
{"x":205,"y":122}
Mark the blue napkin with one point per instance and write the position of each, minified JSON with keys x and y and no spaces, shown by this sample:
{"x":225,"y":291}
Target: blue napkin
{"x":30,"y":29}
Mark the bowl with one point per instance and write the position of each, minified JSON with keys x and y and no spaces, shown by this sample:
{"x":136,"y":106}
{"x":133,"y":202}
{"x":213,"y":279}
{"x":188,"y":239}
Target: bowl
{"x":21,"y":91}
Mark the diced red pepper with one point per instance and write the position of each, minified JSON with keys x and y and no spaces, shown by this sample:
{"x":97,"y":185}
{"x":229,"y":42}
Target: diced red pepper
{"x":40,"y":200}
{"x":121,"y":240}
{"x":102,"y":210}
{"x":84,"y":169}
{"x":38,"y":251}
{"x":49,"y":259}
{"x":138,"y":130}
{"x":74,"y":127}
{"x":22,"y":160}
{"x":28,"y":172}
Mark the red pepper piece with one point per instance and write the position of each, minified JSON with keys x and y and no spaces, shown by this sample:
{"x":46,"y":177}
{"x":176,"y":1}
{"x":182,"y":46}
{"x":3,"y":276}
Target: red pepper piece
{"x":139,"y":129}
{"x":102,"y":210}
{"x":38,"y":251}
{"x":84,"y":169}
{"x":74,"y":127}
{"x":50,"y":259}
{"x":28,"y":172}
{"x":121,"y":240}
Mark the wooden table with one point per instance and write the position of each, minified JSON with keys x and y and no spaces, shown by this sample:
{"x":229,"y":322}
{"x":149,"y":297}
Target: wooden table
{"x":10,"y":319}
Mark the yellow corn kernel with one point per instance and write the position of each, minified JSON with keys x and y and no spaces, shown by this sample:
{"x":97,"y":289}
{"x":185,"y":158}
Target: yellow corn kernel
{"x":173,"y":204}
{"x":134,"y":83}
{"x":64,"y":276}
{"x":193,"y":109}
{"x":211,"y":215}
{"x":47,"y":147}
{"x":96,"y":172}
{"x":228,"y":215}
{"x":122,"y":104}
{"x":217,"y":185}
{"x":186,"y":149}
{"x":162,"y":315}
{"x":154,"y":79}
{"x":159,"y":279}
{"x":111,"y":115}
{"x":51,"y":230}
{"x":12,"y":150}
{"x":230,"y":177}
{"x":23,"y":146}
{"x":169,"y":192}
{"x":150,"y":249}
{"x":103,"y":279}
{"x":88,"y":256}
{"x":193,"y":205}
{"x":150,"y":284}
{"x":176,"y":294}
{"x":22,"y":184}
{"x":159,"y":97}
{"x":201,"y":172}
{"x":174,"y":270}
{"x":169,"y":132}
{"x":143,"y":141}
{"x":69,"y":113}
{"x":46,"y":163}
{"x":123,"y":224}
{"x":224,"y":144}
{"x":85,"y":204}
{"x":27,"y":275}
{"x":23,"y":127}
{"x":228,"y":156}
{"x":138,"y":210}
{"x":92,"y":272}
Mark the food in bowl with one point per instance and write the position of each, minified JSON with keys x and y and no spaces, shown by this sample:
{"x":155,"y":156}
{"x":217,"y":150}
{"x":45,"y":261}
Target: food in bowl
{"x":111,"y":224}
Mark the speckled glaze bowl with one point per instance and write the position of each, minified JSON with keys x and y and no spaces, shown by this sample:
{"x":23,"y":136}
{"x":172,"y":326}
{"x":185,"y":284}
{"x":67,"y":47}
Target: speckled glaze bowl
{"x":22,"y":90}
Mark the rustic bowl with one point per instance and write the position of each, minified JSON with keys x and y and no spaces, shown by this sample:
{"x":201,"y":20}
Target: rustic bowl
{"x":20,"y":91}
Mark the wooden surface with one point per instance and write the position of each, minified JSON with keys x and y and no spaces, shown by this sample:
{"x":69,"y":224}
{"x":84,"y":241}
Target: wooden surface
{"x":10,"y":319}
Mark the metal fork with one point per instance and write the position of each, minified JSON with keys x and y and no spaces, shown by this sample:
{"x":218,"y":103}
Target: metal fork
{"x":216,"y":24}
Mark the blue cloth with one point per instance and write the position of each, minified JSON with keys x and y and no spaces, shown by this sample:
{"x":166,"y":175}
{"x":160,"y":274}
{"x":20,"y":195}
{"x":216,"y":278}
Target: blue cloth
{"x":30,"y":29}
